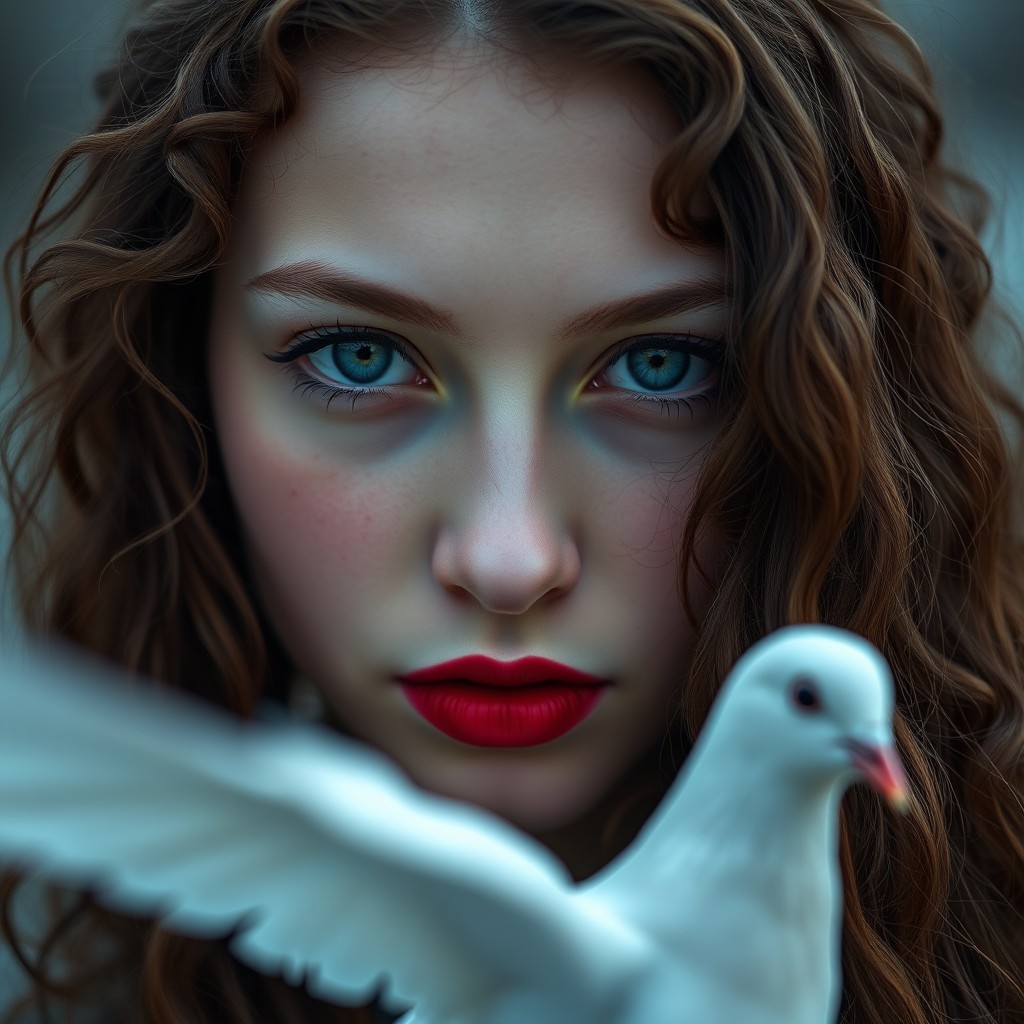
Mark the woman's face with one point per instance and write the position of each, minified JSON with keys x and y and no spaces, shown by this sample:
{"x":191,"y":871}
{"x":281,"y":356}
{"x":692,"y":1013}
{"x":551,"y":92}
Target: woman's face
{"x":463,"y":389}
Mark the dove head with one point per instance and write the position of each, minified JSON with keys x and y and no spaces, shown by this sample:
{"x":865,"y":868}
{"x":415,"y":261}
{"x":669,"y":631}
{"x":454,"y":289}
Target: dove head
{"x":817,"y":702}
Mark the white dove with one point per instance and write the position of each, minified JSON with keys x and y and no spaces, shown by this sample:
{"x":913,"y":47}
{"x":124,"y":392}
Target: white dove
{"x":726,"y":908}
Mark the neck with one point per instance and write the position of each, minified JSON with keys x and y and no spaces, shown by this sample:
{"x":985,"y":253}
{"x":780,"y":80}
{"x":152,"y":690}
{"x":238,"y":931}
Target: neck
{"x":589,"y":843}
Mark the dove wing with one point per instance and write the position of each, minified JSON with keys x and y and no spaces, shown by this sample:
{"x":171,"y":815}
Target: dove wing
{"x":338,"y":870}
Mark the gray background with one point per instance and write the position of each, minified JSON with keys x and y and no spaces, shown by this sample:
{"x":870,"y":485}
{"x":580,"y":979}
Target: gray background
{"x":50,"y":49}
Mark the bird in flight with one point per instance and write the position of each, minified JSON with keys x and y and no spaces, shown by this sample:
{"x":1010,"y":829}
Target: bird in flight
{"x":331,"y":869}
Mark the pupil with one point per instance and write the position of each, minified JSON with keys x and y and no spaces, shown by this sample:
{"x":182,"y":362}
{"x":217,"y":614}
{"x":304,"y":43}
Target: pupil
{"x":804,"y":694}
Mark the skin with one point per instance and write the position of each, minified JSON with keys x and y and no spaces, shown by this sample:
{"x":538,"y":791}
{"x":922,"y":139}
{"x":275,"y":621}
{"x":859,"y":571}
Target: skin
{"x":507,"y":497}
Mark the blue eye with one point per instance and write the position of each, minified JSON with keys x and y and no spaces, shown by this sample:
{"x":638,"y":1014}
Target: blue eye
{"x":659,"y":369}
{"x":664,"y":364}
{"x":363,"y":362}
{"x":357,"y":357}
{"x":663,"y":373}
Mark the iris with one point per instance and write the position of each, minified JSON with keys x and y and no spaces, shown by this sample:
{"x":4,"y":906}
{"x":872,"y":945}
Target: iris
{"x":659,"y":369}
{"x":362,"y":361}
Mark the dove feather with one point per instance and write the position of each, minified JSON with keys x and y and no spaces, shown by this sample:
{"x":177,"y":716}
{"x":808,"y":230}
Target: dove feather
{"x":336,"y":868}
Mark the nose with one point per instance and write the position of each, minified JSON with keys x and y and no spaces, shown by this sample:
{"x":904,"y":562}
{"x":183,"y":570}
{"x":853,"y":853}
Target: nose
{"x":505,"y":539}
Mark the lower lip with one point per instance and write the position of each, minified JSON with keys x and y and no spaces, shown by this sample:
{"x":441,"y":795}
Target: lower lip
{"x":490,"y":716}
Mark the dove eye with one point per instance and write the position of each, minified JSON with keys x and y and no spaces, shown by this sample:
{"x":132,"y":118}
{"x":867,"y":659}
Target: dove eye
{"x":804,"y":694}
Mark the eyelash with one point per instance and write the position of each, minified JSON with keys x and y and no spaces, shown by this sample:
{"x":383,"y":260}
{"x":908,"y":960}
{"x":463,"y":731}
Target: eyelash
{"x":318,"y":338}
{"x":310,"y":387}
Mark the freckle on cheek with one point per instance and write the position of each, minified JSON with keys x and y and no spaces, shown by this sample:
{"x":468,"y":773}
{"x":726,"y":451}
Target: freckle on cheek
{"x":339,"y":528}
{"x":301,"y":510}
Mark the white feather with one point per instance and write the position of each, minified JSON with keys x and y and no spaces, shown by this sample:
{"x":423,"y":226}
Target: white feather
{"x":335,"y":869}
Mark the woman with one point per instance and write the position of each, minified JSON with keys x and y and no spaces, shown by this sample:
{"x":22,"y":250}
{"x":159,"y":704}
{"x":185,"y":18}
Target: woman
{"x":360,"y":353}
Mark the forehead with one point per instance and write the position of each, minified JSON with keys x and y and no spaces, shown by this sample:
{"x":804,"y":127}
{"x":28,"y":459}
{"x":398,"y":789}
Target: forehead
{"x":455,"y":75}
{"x":466,"y":90}
{"x":462,"y":133}
{"x":514,"y":193}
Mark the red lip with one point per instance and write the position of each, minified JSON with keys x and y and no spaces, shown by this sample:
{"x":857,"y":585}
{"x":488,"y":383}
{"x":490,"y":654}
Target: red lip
{"x":489,"y":703}
{"x":486,"y":671}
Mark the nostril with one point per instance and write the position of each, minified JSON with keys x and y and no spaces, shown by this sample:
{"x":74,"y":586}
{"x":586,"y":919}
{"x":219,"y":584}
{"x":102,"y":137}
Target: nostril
{"x":504,"y":572}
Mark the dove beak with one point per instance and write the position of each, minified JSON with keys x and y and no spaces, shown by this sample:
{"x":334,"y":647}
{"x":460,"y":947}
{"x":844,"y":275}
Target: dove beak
{"x":881,"y":768}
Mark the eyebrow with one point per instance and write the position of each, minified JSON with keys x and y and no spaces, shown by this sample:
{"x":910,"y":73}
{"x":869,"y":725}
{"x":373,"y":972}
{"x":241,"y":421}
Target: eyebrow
{"x":313,"y":279}
{"x":670,"y":300}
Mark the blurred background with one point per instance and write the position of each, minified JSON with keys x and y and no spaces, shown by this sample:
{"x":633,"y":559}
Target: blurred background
{"x":51,"y":48}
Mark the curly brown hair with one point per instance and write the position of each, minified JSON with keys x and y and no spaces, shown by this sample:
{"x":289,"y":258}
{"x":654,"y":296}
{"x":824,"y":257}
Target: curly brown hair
{"x":862,"y":476}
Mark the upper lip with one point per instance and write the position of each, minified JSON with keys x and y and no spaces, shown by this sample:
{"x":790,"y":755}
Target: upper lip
{"x":477,"y":668}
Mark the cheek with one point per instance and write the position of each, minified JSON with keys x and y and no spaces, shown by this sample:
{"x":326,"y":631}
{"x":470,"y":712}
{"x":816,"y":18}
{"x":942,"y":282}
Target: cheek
{"x":645,"y":523}
{"x":315,"y":530}
{"x":310,"y":514}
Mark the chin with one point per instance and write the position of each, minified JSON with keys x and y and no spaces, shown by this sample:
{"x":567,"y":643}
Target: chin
{"x":537,"y":794}
{"x":536,"y":816}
